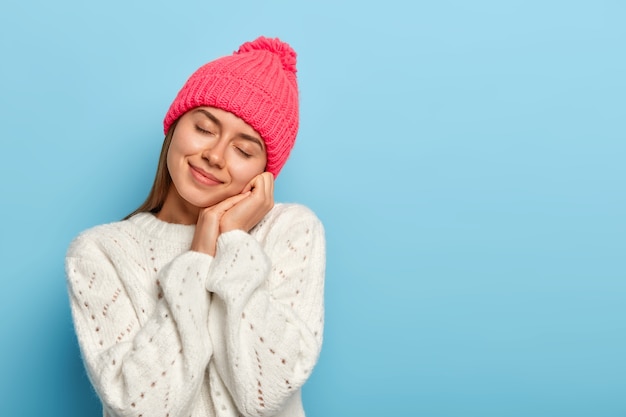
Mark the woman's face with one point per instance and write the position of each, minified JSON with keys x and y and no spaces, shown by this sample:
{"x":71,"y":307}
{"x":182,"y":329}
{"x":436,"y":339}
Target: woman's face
{"x":213,"y":155}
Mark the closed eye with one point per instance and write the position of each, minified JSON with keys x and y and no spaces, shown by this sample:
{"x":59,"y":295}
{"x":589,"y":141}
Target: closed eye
{"x":203,"y":131}
{"x":244,"y":153}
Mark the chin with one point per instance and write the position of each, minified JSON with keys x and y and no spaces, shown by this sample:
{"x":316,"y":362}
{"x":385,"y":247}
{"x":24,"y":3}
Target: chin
{"x":207,"y":198}
{"x":205,"y":203}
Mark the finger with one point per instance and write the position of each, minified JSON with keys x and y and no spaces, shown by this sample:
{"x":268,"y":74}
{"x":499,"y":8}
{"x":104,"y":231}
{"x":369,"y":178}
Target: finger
{"x":265,"y":186}
{"x":257,"y":184}
{"x":269,"y":186}
{"x":231,"y":201}
{"x":251,"y":184}
{"x":227,"y":204}
{"x":248,"y":186}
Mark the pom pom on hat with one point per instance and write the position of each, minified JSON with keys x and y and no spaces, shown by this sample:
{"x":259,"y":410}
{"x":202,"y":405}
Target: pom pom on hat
{"x":258,"y":84}
{"x":286,"y":54}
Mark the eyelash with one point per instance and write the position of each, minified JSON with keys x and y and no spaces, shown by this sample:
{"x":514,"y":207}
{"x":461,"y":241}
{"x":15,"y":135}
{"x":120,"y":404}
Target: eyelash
{"x":201,"y":130}
{"x":244,"y":153}
{"x":208,"y":132}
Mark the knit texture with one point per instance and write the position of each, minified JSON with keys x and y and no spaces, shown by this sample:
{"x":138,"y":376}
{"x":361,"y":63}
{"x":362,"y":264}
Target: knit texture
{"x":258,"y":84}
{"x":165,"y":331}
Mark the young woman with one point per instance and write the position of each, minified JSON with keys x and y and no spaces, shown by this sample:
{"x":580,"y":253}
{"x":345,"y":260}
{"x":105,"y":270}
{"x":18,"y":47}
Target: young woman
{"x":208,"y":299}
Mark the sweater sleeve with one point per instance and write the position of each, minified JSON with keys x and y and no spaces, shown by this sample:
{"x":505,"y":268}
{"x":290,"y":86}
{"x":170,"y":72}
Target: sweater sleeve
{"x":140,"y":367}
{"x":266,"y":319}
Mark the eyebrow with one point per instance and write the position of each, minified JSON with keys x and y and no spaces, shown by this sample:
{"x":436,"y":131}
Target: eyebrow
{"x":241,"y":135}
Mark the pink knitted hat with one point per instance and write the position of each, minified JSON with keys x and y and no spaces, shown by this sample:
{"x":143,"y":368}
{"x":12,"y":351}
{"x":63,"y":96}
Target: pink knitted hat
{"x":258,"y":84}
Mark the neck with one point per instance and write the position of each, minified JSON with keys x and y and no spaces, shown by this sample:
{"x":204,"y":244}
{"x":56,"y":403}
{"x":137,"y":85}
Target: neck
{"x":176,"y":210}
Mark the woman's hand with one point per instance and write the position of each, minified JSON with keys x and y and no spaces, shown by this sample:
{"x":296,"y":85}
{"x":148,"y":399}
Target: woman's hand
{"x":247,"y":212}
{"x":208,"y":224}
{"x":242,"y":211}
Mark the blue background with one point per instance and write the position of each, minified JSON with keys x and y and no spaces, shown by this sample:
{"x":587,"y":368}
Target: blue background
{"x":466,"y":158}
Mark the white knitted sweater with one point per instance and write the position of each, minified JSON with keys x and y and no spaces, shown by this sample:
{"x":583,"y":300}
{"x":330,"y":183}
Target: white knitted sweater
{"x":168,"y":332}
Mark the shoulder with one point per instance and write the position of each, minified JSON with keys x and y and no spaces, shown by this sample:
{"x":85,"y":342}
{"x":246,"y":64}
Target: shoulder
{"x":288,"y":220}
{"x":290,"y":214}
{"x":99,"y":238}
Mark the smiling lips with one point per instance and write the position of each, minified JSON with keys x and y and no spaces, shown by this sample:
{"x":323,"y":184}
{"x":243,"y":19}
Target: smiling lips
{"x":204,"y":177}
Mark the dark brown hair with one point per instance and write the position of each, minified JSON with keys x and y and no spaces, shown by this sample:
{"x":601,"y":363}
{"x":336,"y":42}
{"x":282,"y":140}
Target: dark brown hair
{"x":162,"y":180}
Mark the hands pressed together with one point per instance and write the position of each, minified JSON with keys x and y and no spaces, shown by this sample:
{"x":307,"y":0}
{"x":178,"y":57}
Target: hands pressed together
{"x":242,"y":211}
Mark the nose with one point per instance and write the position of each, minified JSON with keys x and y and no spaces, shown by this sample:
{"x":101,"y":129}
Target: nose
{"x":214,"y":154}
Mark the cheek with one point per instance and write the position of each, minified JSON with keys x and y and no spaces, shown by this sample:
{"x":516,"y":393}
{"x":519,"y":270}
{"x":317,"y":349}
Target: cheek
{"x":175,"y":162}
{"x":169,"y":162}
{"x":178,"y":150}
{"x":246,"y":170}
